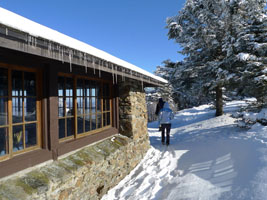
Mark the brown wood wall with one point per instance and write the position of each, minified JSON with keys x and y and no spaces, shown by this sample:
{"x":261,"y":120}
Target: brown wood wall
{"x":50,"y":146}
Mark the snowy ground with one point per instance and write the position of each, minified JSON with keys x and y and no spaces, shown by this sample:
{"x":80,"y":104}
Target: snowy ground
{"x":208,"y":158}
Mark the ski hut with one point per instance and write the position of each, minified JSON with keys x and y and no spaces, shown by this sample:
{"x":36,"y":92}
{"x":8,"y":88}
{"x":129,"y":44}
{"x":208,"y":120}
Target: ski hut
{"x":58,"y":95}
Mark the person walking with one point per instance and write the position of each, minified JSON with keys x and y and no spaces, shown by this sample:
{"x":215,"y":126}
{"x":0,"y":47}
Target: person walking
{"x":158,"y":108}
{"x":165,"y":117}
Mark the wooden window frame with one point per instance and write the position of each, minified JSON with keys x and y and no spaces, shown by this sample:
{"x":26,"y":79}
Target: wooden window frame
{"x":10,"y":124}
{"x":75,"y":107}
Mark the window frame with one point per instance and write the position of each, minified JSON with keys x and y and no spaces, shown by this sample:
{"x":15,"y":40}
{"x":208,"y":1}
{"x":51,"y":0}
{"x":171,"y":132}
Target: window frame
{"x":98,"y":81}
{"x":10,"y":124}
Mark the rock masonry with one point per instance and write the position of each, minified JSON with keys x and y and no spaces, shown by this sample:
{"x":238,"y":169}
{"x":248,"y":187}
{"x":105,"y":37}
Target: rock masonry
{"x":91,"y":171}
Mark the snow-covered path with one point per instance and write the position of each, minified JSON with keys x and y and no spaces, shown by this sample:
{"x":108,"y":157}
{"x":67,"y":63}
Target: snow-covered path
{"x":208,"y":158}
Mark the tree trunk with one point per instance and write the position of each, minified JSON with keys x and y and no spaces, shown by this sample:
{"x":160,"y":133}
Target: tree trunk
{"x":219,"y":101}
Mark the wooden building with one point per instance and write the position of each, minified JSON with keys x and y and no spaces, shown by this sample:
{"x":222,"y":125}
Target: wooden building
{"x":57,"y":94}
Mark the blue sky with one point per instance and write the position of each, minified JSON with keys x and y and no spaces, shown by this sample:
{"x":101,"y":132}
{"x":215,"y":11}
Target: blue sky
{"x":133,"y":30}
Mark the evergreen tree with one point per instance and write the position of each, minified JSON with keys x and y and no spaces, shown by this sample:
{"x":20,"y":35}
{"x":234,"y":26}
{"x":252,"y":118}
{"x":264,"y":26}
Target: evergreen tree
{"x":209,"y":32}
{"x":247,"y":51}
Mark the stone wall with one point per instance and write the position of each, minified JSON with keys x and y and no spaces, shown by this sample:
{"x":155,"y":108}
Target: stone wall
{"x":91,"y":171}
{"x":86,"y":174}
{"x":133,"y":112}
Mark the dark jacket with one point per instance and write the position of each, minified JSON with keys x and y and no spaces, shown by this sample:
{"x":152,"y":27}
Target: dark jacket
{"x":159,"y":106}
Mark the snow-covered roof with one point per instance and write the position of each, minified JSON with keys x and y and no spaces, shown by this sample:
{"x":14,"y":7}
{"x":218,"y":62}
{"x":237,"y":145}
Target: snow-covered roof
{"x":18,"y":22}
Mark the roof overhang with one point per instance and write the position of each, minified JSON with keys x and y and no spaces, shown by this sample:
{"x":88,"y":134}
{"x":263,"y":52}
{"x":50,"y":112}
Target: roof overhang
{"x":16,"y":39}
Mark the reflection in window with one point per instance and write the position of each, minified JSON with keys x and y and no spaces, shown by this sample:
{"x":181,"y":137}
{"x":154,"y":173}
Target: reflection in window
{"x":29,"y":84}
{"x":22,"y":129}
{"x":17,"y":138}
{"x":93,"y":122}
{"x":65,"y":107}
{"x":30,"y":135}
{"x":3,"y":141}
{"x":61,"y":128}
{"x":30,"y":109}
{"x":24,"y":110}
{"x":91,"y":109}
{"x":3,"y":82}
{"x":3,"y":111}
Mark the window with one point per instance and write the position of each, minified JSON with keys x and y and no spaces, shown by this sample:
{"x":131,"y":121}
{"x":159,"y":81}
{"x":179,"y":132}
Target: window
{"x":19,"y":128}
{"x":89,"y":102}
{"x":65,"y":107}
{"x":4,"y":128}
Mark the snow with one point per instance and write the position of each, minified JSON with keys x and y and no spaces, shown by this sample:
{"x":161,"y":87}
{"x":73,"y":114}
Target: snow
{"x":245,"y":56}
{"x":15,"y":21}
{"x":208,"y":158}
{"x":254,"y":117}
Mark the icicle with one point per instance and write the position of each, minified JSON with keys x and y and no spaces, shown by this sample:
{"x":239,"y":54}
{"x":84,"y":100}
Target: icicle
{"x":58,"y":50}
{"x":93,"y":60}
{"x":80,"y":57}
{"x":116,"y":74}
{"x":142,"y":84}
{"x":112,"y":70}
{"x":99,"y":72}
{"x":35,"y":42}
{"x":85,"y":62}
{"x":62,"y":55}
{"x":123,"y":73}
{"x":6,"y":31}
{"x":29,"y":40}
{"x":70,"y":60}
{"x":49,"y":48}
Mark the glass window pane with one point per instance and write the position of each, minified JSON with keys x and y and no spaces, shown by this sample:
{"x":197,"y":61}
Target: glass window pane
{"x":80,"y":105}
{"x":61,"y":128}
{"x":108,"y":104}
{"x":87,"y":123}
{"x":30,"y":109}
{"x":108,"y":118}
{"x":98,"y":90}
{"x":93,"y":104}
{"x":93,"y":118}
{"x":30,"y":135}
{"x":104,"y":105}
{"x":61,"y":81}
{"x":79,"y":89}
{"x":87,"y":88}
{"x":3,"y":141}
{"x":69,"y":87}
{"x":87,"y":105}
{"x":99,"y":120}
{"x":61,"y":107}
{"x":3,"y":111}
{"x":17,"y":138}
{"x":104,"y":119}
{"x":98,"y":105}
{"x":93,"y":88}
{"x":80,"y":124}
{"x":29,"y":84}
{"x":69,"y":104}
{"x":16,"y":83}
{"x":17,"y":109}
{"x":3,"y":82}
{"x":70,"y":126}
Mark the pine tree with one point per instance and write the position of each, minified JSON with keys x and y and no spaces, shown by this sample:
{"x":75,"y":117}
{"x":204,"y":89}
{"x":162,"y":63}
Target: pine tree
{"x":247,"y":51}
{"x":210,"y":33}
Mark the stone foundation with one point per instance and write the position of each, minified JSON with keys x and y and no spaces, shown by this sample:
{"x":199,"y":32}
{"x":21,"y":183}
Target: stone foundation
{"x":86,"y":174}
{"x":91,"y":171}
